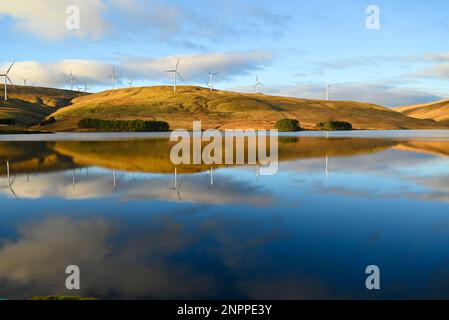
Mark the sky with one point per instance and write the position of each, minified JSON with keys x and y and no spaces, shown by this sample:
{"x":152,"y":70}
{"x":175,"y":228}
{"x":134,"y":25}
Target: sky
{"x":295,"y":47}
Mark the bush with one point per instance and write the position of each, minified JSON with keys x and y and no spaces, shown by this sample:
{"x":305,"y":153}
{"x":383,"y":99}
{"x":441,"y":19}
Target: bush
{"x":8,"y":122}
{"x":288,"y":125}
{"x":47,"y":121}
{"x":124,"y":125}
{"x":334,"y":126}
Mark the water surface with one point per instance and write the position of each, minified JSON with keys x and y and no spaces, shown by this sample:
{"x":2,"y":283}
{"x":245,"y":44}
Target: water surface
{"x":340,"y":202}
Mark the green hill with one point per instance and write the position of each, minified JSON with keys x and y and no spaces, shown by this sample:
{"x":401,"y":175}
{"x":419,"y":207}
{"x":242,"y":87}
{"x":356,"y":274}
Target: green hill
{"x":28,"y":106}
{"x":438,"y":111}
{"x":223,"y":109}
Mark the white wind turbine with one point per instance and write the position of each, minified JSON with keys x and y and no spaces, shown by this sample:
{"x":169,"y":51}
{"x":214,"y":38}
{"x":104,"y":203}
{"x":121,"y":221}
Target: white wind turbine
{"x":175,"y":75}
{"x":24,"y":82}
{"x":328,"y":86}
{"x":85,"y":87}
{"x":113,"y":76}
{"x":71,"y":79}
{"x":258,"y":84}
{"x":211,"y":77}
{"x":130,"y":83}
{"x":6,"y":77}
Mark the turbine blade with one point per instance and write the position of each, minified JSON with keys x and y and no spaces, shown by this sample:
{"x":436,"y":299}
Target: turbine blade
{"x":9,"y":80}
{"x":177,"y":64}
{"x":10,"y":67}
{"x":180,"y":76}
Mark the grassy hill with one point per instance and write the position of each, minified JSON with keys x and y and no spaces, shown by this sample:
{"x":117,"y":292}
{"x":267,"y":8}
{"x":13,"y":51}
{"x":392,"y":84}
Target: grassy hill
{"x":30,"y":105}
{"x":223,"y":110}
{"x":438,"y":111}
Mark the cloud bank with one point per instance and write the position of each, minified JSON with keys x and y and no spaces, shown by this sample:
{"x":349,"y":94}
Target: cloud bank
{"x":192,"y":67}
{"x":381,"y":94}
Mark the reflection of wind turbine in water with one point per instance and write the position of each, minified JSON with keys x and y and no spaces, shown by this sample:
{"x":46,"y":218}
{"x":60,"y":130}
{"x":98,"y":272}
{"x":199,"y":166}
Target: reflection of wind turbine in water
{"x":176,"y":185}
{"x":257,"y":173}
{"x":10,"y":183}
{"x":327,"y":159}
{"x":327,"y":166}
{"x":114,"y":179}
{"x":211,"y":174}
{"x":73,"y":179}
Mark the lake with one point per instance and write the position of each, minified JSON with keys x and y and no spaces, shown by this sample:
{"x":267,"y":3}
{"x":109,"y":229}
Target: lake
{"x":111,"y":205}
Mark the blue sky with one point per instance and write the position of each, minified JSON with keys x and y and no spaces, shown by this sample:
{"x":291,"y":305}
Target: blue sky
{"x":295,"y":47}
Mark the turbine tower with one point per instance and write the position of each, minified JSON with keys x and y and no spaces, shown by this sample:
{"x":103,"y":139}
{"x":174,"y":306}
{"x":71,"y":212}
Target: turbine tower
{"x":6,"y":77}
{"x":328,"y":86}
{"x":85,"y":87}
{"x":24,"y":82}
{"x":175,"y":75}
{"x":114,"y":77}
{"x":258,"y":84}
{"x":71,"y":79}
{"x":211,"y":77}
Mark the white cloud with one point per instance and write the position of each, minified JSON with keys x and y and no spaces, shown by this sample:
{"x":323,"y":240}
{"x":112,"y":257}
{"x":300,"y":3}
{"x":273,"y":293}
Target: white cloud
{"x":440,"y":71}
{"x":47,"y":18}
{"x":385,"y":95}
{"x":193,"y":68}
{"x":159,"y":20}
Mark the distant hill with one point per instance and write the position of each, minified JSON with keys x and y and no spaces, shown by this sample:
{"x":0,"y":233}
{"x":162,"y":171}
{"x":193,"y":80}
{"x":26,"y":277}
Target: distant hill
{"x":223,"y":109}
{"x":30,"y":105}
{"x":438,"y":111}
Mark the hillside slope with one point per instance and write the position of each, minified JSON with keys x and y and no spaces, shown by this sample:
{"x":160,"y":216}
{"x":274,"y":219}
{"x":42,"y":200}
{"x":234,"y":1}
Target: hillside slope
{"x":30,"y":105}
{"x":438,"y":111}
{"x":222,"y":109}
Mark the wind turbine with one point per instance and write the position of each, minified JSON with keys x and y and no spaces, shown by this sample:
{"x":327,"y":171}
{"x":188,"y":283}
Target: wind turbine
{"x":85,"y":87}
{"x":130,"y":83}
{"x":114,"y":77}
{"x":258,"y":84}
{"x":24,"y":82}
{"x":328,"y":86}
{"x":71,"y":79}
{"x":5,"y":75}
{"x":211,"y":77}
{"x":175,"y":74}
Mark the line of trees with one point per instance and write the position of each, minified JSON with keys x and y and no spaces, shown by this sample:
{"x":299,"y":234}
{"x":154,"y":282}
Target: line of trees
{"x":124,"y":125}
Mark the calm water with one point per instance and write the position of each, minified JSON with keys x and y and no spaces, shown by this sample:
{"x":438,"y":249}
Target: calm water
{"x":337,"y":205}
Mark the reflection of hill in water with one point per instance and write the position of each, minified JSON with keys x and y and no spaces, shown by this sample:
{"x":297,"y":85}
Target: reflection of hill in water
{"x":153,"y":156}
{"x":31,"y":157}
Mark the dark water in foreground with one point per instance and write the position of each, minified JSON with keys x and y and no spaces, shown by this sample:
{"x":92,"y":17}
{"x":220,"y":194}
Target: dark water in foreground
{"x":337,"y":205}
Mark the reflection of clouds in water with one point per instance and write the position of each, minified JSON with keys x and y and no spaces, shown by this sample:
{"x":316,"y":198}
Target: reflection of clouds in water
{"x":413,"y":175}
{"x":192,"y":188}
{"x":388,"y":161}
{"x":438,"y":185}
{"x":159,"y":258}
{"x":35,"y":264}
